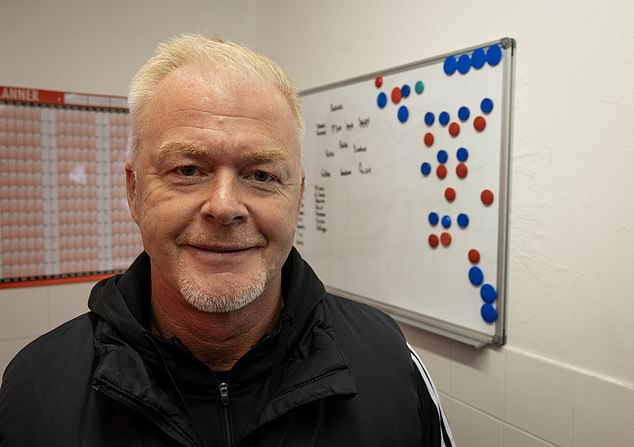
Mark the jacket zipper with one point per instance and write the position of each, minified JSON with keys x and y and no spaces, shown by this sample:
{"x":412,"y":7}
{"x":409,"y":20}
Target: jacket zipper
{"x":224,"y":400}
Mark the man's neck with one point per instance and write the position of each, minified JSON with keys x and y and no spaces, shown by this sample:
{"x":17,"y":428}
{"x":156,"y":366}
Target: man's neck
{"x":217,"y":339}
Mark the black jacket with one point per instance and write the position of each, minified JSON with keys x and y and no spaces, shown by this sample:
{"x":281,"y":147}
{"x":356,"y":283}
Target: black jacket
{"x":333,"y":372}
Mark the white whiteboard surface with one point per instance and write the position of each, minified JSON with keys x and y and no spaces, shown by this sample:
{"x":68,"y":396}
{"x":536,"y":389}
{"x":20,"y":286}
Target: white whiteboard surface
{"x":365,"y":224}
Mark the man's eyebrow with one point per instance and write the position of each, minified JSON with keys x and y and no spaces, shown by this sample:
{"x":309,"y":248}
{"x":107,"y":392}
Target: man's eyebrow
{"x":199,"y":151}
{"x":266,"y":155}
{"x":188,"y":149}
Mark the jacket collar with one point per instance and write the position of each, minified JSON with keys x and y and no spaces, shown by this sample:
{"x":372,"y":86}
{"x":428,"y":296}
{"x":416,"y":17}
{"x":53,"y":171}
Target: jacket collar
{"x":307,"y":363}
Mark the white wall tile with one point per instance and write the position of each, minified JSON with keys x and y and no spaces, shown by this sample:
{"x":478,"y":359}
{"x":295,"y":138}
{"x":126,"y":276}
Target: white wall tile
{"x":539,"y":397}
{"x":477,"y":378}
{"x":23,"y":312}
{"x":603,"y":413}
{"x":472,"y":428}
{"x":8,"y":350}
{"x":518,"y":438}
{"x":68,"y":301}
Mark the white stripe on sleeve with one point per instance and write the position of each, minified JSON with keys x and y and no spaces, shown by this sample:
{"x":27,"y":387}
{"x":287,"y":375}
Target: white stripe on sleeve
{"x":445,"y":429}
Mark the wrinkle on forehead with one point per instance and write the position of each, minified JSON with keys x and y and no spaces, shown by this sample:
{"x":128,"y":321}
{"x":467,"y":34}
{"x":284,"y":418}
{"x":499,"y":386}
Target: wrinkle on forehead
{"x":200,"y":151}
{"x":221,"y":118}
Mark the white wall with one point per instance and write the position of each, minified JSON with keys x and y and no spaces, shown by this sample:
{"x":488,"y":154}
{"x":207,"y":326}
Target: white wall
{"x":94,"y":46}
{"x":566,"y":376}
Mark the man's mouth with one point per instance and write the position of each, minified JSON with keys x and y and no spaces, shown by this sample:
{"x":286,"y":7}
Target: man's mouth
{"x":221,"y":248}
{"x":221,"y":244}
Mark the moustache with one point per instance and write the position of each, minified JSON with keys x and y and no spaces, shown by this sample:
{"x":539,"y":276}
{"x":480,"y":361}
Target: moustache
{"x":229,"y":238}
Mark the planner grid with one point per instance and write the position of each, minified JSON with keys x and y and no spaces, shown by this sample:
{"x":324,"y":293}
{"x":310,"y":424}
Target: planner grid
{"x":63,"y":208}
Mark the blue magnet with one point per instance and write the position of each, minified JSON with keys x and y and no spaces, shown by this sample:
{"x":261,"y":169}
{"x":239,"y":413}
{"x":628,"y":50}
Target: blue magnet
{"x":450,"y":65}
{"x":405,"y":91}
{"x":494,"y":55}
{"x":463,"y":220}
{"x":381,"y":100}
{"x":433,"y":219}
{"x":463,"y":113}
{"x":462,"y":154}
{"x":488,"y":312}
{"x":446,"y":221}
{"x":464,"y":64}
{"x":442,"y":156}
{"x":478,"y":58}
{"x":488,"y":293}
{"x":425,"y":169}
{"x":486,"y":105}
{"x":476,"y":276}
{"x":403,"y":114}
{"x":429,"y":118}
{"x":443,"y":118}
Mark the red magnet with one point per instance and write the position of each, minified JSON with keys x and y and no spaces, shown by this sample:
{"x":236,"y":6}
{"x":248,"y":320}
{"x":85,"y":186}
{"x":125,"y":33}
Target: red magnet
{"x":450,"y":194}
{"x":445,"y":239}
{"x":396,"y":95}
{"x":454,"y":129}
{"x":441,"y":171}
{"x":479,"y":123}
{"x":433,"y":240}
{"x":474,"y":256}
{"x":429,"y":139}
{"x":487,"y":197}
{"x":462,"y":170}
{"x":378,"y":82}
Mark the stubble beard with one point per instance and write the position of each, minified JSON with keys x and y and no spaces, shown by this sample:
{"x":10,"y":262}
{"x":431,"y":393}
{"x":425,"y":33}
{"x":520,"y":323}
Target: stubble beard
{"x":236,"y":296}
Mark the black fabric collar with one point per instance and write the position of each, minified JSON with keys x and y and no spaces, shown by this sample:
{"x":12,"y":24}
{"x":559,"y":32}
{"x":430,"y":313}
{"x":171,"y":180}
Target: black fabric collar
{"x":125,"y":301}
{"x":298,"y":362}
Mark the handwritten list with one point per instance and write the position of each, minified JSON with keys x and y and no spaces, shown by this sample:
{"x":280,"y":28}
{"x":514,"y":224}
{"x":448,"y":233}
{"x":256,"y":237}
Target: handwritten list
{"x":342,"y":152}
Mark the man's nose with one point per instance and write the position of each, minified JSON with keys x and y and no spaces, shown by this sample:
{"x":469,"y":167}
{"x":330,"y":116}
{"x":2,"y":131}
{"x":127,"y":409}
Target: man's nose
{"x":224,"y":202}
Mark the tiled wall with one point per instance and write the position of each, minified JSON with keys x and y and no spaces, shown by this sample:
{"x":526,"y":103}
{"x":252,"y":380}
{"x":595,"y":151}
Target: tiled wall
{"x":493,"y":397}
{"x":505,"y":397}
{"x":28,"y":312}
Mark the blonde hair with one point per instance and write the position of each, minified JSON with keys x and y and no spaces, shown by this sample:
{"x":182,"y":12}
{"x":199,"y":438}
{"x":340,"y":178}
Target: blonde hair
{"x":194,"y":48}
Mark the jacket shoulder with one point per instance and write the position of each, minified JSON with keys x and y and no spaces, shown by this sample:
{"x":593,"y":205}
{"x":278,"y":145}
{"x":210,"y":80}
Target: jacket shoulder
{"x":52,"y":359}
{"x":44,"y":382}
{"x":367,"y":336}
{"x":382,"y":359}
{"x":362,"y":318}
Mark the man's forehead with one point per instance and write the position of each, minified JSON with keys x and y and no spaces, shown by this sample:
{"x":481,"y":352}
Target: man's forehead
{"x":203,"y":80}
{"x":197,"y":96}
{"x":221,"y":93}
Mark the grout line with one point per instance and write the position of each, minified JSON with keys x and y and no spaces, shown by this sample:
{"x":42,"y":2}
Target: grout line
{"x":479,"y":410}
{"x":532,"y":435}
{"x":503,"y":422}
{"x":573,"y":368}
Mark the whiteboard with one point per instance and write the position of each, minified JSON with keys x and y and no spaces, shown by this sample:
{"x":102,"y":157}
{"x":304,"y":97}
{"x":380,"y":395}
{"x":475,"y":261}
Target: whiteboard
{"x":406,"y":198}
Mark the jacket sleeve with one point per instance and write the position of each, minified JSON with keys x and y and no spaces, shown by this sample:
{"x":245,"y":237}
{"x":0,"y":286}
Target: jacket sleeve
{"x":439,"y":426}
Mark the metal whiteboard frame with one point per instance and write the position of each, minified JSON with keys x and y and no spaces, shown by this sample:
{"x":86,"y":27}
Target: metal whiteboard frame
{"x":425,"y":322}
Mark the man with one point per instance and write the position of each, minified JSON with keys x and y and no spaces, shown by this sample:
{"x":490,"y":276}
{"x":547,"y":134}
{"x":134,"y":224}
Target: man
{"x":219,"y":334}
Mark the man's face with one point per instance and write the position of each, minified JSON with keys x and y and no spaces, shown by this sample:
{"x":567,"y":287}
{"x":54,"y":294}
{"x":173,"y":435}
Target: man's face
{"x":216,"y":188}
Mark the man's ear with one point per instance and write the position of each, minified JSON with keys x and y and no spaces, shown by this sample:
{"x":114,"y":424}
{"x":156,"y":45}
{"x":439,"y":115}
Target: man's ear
{"x":130,"y":185}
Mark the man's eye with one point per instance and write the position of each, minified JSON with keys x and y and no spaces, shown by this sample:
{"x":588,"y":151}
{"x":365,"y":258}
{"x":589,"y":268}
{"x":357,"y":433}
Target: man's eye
{"x":261,"y":176}
{"x":187,"y":171}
